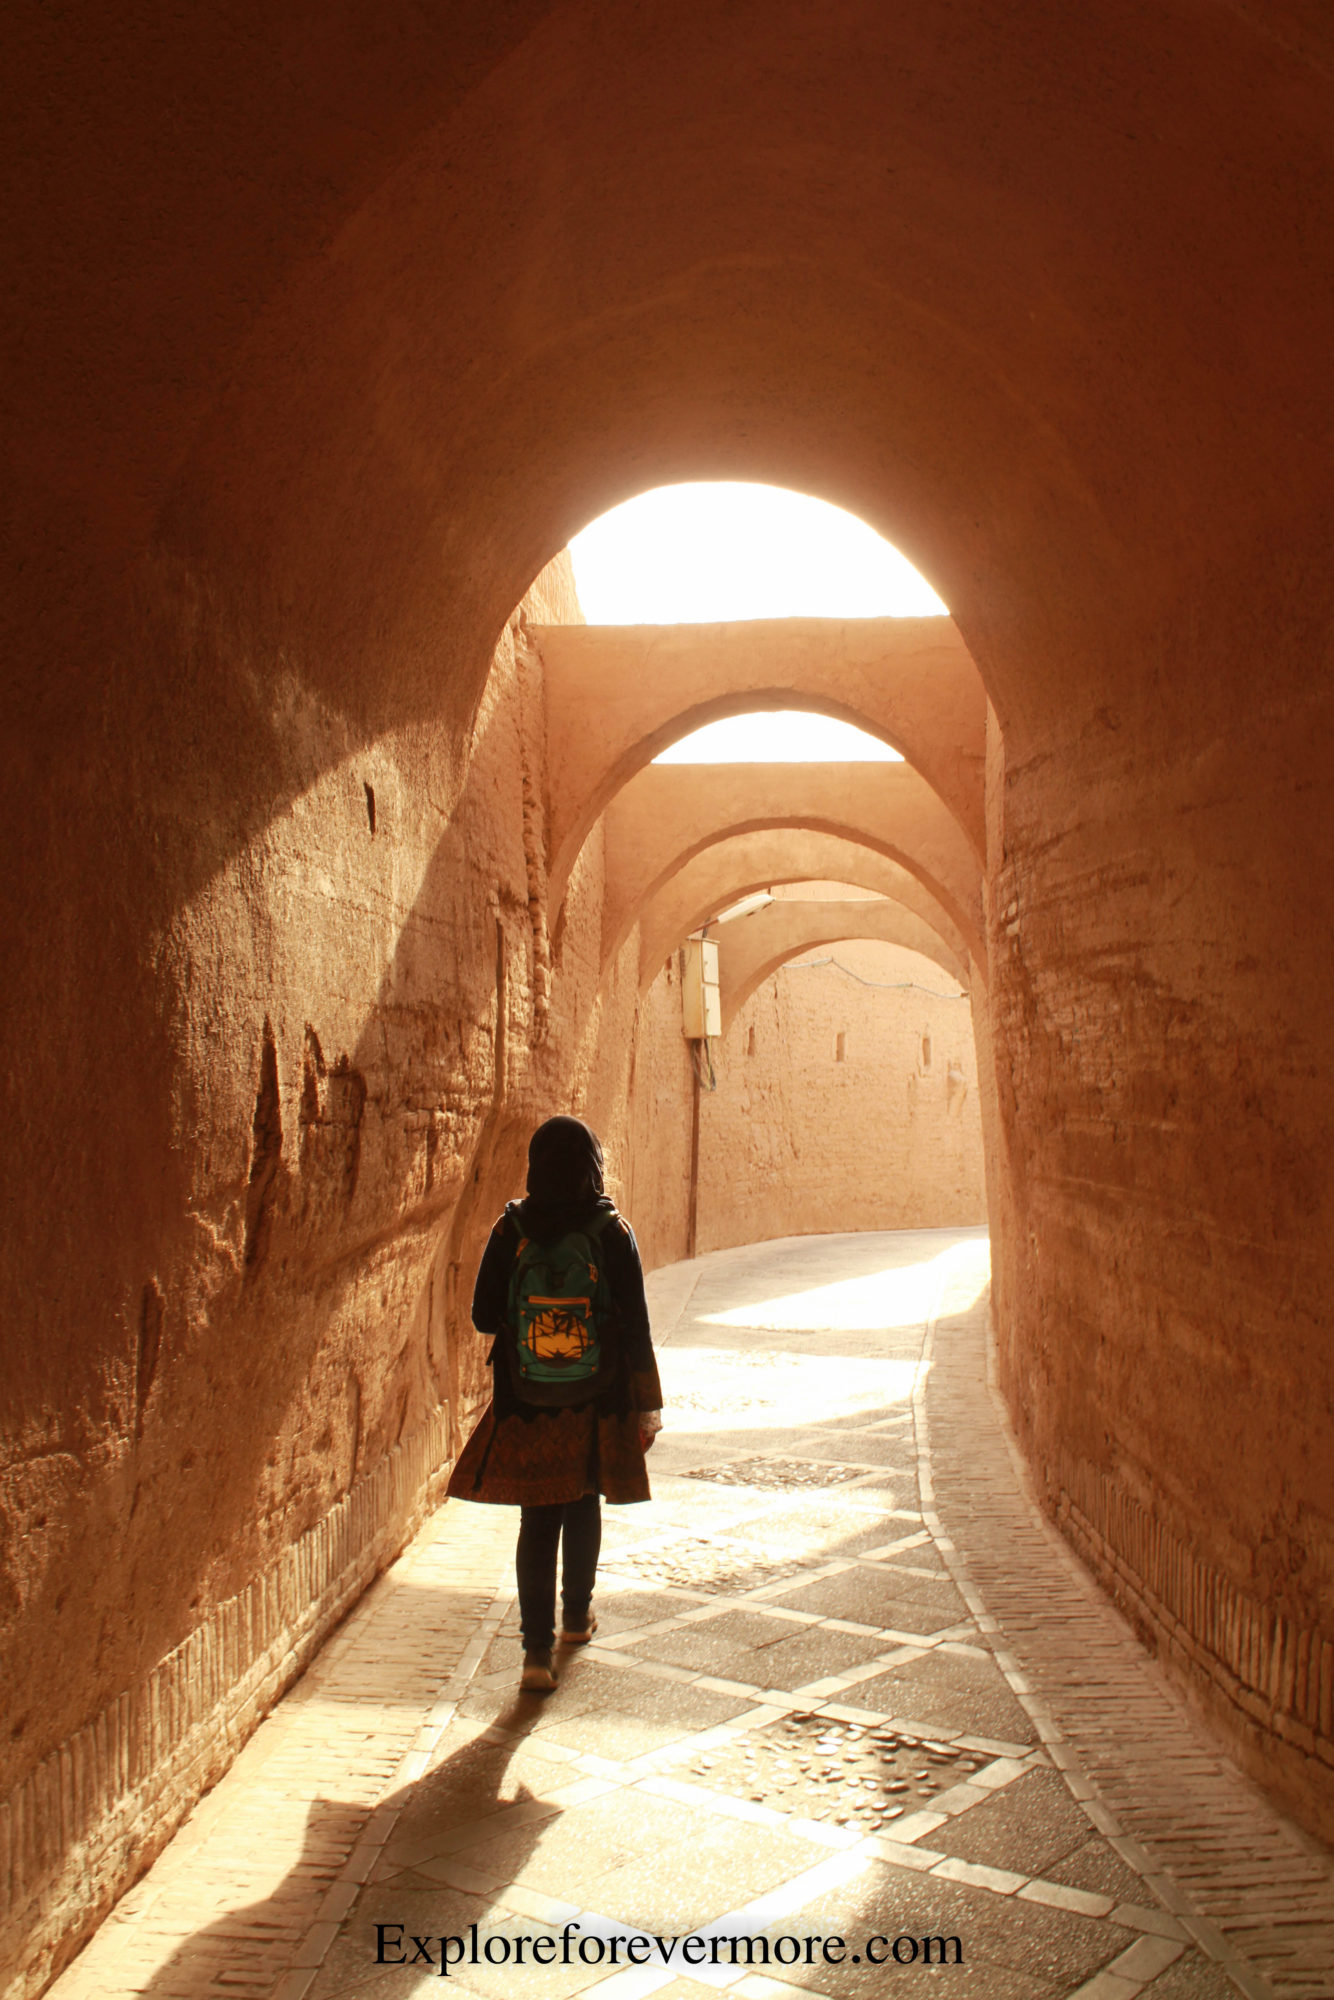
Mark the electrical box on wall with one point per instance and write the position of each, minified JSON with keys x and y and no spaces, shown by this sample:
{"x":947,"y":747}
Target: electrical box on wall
{"x":701,"y":1004}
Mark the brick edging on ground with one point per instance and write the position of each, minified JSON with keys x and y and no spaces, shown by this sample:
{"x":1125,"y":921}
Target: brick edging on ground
{"x":1244,"y":1879}
{"x":99,"y":1809}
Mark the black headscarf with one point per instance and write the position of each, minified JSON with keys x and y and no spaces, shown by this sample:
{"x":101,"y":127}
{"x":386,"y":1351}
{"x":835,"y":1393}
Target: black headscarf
{"x":564,"y":1177}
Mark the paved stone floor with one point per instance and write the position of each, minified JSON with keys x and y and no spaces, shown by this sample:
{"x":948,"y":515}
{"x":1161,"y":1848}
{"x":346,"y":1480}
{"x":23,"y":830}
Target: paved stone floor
{"x":847,"y":1686}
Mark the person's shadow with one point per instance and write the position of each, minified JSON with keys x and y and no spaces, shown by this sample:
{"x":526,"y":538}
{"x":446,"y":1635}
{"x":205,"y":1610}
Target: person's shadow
{"x":423,"y":1886}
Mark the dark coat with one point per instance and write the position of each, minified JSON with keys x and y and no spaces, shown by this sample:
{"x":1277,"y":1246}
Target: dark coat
{"x":523,"y":1455}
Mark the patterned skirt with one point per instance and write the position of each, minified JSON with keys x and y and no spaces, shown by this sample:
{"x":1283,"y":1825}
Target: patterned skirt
{"x":526,"y":1457}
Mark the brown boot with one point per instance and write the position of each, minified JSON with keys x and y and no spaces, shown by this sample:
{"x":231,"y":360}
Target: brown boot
{"x":539,"y":1672}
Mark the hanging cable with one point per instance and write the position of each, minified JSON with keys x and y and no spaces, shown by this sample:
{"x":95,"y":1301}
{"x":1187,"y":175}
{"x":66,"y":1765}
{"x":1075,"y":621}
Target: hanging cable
{"x":881,"y":985}
{"x":701,"y":1054}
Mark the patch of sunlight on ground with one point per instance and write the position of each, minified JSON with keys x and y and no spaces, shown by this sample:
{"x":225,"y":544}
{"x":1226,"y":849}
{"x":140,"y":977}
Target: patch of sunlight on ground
{"x":891,"y":1298}
{"x":729,"y":1389}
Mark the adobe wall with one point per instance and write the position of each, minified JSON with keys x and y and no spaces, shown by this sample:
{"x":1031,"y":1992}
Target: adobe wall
{"x":246,"y":1371}
{"x":797,"y":1141}
{"x":794,"y":1140}
{"x":658,"y":1184}
{"x":1162,"y":1041}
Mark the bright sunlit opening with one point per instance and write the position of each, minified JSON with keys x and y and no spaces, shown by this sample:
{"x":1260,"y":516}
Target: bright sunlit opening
{"x":779,"y":736}
{"x":701,"y":553}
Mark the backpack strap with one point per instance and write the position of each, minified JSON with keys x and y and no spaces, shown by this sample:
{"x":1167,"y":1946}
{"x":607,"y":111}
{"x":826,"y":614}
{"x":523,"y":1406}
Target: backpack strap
{"x":593,"y":1229}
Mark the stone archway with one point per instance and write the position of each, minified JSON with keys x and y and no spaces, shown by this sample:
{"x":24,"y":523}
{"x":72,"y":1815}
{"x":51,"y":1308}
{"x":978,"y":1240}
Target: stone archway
{"x":729,"y":869}
{"x":753,"y":947}
{"x":670,"y":812}
{"x":907,"y":680}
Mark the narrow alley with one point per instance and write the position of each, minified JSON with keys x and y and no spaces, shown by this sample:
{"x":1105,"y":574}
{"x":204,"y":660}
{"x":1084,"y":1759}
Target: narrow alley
{"x":847,"y":1686}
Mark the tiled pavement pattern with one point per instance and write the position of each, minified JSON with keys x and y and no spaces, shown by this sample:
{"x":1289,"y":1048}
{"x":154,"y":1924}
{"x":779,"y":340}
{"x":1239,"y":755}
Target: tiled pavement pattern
{"x":845,"y":1682}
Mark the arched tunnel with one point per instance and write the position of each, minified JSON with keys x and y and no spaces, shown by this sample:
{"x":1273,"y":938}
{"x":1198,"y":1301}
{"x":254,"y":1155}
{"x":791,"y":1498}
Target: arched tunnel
{"x":338,"y":858}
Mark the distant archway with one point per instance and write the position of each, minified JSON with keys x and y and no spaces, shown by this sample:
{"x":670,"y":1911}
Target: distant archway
{"x":667,"y":814}
{"x":740,"y":865}
{"x":752,"y":948}
{"x":909,"y":681}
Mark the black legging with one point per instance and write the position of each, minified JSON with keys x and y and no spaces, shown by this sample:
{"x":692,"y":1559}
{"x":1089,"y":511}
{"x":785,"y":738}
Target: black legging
{"x":541,"y":1529}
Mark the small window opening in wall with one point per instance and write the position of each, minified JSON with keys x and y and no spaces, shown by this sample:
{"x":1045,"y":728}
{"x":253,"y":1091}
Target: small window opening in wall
{"x":926,"y":1051}
{"x":841,"y":1046}
{"x":370,"y":806}
{"x":750,"y":1043}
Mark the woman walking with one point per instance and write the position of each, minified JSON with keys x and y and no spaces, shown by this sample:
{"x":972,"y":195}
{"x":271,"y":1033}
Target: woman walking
{"x":575,"y":1399}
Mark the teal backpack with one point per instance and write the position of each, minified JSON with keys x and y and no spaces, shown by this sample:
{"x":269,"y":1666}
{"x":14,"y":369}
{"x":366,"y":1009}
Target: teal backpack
{"x":560,"y":1311}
